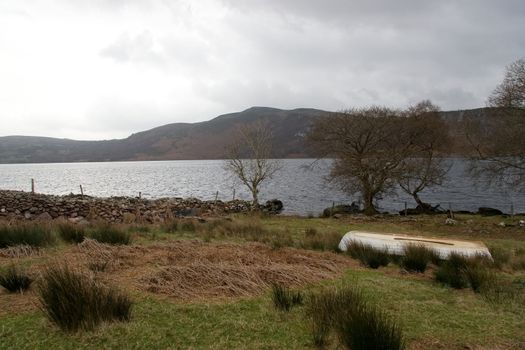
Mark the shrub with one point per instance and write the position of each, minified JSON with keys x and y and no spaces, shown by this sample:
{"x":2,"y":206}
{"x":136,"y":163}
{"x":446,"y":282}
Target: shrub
{"x":461,"y":272}
{"x":479,"y":277}
{"x":284,"y":299}
{"x":139,"y":228}
{"x":34,"y":235}
{"x":250,"y":229}
{"x":451,"y":271}
{"x":326,"y":241}
{"x":368,"y":255}
{"x":505,"y":291}
{"x":110,"y":235}
{"x":310,"y":232}
{"x":417,"y":257}
{"x":15,"y":280}
{"x":357,"y":323}
{"x":322,"y":307}
{"x":518,"y":262}
{"x":187,"y":225}
{"x":71,"y":233}
{"x":500,"y":256}
{"x":280,"y":241}
{"x":74,"y":301}
{"x":170,"y":226}
{"x":368,"y":328}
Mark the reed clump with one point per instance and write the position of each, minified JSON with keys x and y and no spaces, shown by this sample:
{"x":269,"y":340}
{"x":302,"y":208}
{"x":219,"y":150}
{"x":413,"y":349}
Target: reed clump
{"x":35,"y":235}
{"x":356,"y":323}
{"x":416,"y":258}
{"x":284,"y":298}
{"x":109,"y":234}
{"x":459,"y":271}
{"x":15,"y":280}
{"x":74,"y":301}
{"x":368,"y":255}
{"x":71,"y":233}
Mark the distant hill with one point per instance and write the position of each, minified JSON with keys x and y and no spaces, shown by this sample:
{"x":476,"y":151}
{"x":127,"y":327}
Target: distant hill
{"x":204,"y":140}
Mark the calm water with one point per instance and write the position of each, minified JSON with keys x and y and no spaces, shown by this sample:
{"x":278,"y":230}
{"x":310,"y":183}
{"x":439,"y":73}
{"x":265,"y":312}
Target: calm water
{"x":302,"y":191}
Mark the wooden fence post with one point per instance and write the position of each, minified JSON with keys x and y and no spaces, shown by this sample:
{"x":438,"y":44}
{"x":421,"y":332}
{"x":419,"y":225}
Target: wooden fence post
{"x":33,"y":186}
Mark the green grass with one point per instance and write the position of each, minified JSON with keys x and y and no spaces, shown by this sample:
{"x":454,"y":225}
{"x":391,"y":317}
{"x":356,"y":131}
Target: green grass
{"x":428,"y":313}
{"x":432,"y":316}
{"x":161,"y":325}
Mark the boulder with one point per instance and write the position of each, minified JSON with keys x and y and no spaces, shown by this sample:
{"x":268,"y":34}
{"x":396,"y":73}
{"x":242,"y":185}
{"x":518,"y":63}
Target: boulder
{"x":44,"y":216}
{"x":450,"y":222}
{"x":342,"y":209}
{"x":427,"y":209}
{"x":273,"y":206}
{"x":486,"y":211}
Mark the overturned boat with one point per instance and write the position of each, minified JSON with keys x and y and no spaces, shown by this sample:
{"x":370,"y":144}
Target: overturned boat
{"x":396,"y":243}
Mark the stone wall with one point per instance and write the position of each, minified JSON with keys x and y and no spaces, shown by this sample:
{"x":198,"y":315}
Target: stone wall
{"x":27,"y":206}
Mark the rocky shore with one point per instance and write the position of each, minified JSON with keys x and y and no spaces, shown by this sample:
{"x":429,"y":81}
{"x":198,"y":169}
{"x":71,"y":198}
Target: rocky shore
{"x":28,"y":206}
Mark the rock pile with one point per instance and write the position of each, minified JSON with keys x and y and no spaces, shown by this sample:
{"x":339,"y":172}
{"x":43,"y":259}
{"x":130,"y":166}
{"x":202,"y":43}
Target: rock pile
{"x":28,"y":206}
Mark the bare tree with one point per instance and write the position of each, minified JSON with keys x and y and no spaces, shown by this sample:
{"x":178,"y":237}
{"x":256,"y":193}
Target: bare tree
{"x":498,"y":139}
{"x":425,"y":167}
{"x":510,"y":93}
{"x":368,"y":146}
{"x":249,"y":157}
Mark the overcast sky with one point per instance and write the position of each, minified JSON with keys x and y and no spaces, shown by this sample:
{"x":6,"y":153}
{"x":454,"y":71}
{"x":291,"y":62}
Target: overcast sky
{"x":100,"y":69}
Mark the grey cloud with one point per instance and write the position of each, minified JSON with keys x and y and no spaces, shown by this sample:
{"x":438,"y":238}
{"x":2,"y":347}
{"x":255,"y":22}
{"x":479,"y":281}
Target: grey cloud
{"x":166,"y":61}
{"x":136,"y":48}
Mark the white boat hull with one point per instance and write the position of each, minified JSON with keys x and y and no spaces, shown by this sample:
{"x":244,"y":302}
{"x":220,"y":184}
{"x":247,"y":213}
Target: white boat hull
{"x":395,"y":244}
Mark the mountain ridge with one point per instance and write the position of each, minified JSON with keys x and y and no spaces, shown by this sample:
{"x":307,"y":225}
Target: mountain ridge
{"x":179,"y":141}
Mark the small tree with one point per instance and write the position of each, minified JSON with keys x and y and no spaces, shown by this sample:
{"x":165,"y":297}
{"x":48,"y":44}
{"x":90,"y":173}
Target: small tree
{"x":249,"y":157}
{"x":369,"y":145}
{"x":510,"y":93}
{"x":498,"y":139}
{"x":425,"y":167}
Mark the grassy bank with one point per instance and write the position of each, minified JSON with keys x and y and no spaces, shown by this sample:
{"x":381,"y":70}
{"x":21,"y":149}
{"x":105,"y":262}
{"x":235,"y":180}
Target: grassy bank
{"x":183,"y":315}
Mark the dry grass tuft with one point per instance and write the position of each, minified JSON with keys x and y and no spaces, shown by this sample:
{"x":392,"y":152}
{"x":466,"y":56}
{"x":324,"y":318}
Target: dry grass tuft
{"x":19,"y":251}
{"x":97,"y":256}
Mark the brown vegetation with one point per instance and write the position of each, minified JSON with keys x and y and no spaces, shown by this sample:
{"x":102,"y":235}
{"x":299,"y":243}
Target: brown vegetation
{"x":192,"y":270}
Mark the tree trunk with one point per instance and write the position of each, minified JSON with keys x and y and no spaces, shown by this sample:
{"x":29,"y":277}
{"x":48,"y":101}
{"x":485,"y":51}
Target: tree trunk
{"x":422,"y":205}
{"x":368,"y":199}
{"x":255,"y":202}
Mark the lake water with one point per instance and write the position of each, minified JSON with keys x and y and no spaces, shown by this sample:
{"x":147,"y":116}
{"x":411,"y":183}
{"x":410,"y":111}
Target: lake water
{"x":303,"y":191}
